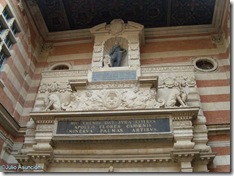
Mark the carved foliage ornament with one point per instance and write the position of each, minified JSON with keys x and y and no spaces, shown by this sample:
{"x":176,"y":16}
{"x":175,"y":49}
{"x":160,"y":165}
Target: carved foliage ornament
{"x":170,"y":82}
{"x":134,"y":98}
{"x":55,"y":87}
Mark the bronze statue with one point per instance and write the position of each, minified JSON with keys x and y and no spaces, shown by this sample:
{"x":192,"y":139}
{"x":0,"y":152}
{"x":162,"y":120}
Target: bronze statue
{"x":116,"y":55}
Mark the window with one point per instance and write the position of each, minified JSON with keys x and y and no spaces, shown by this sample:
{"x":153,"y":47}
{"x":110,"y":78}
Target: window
{"x":14,"y":29}
{"x":2,"y":27}
{"x":205,"y":64}
{"x":2,"y":58}
{"x":61,"y":67}
{"x":8,"y":41}
{"x":8,"y":30}
{"x":6,"y":14}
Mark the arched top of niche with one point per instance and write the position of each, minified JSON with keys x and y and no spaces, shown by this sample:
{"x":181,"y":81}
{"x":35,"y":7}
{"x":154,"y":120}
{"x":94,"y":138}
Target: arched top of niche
{"x":123,"y":42}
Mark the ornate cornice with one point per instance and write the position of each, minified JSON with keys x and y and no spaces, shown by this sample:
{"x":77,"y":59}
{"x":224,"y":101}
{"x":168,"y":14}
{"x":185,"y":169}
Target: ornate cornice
{"x":159,"y":69}
{"x":185,"y":113}
{"x":48,"y":74}
{"x":113,"y":159}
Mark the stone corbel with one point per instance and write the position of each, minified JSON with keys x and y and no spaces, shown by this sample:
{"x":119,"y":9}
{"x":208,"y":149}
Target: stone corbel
{"x":217,"y":39}
{"x":183,"y":130}
{"x":7,"y":148}
{"x":185,"y":158}
{"x":46,"y":47}
{"x":78,"y":84}
{"x":183,"y":134}
{"x":45,"y":50}
{"x":41,"y":160}
{"x":148,"y":81}
{"x":201,"y":161}
{"x":24,"y":160}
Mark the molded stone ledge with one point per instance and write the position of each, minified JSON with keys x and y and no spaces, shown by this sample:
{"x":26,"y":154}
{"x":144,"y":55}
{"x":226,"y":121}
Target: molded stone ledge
{"x":115,"y":160}
{"x":49,"y":116}
{"x":129,"y":137}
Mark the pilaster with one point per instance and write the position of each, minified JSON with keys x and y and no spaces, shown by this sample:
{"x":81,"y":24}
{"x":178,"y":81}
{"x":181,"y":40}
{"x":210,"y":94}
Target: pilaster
{"x":183,"y":131}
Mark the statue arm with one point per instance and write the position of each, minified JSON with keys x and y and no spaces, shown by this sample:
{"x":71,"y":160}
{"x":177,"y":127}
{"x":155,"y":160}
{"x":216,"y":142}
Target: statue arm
{"x":49,"y":105}
{"x":180,"y":100}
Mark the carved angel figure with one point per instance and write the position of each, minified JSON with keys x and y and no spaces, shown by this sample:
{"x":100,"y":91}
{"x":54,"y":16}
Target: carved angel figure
{"x":53,"y":102}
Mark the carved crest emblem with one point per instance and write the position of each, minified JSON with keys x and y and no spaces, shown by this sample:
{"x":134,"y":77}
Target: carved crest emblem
{"x":112,"y":99}
{"x":116,"y":26}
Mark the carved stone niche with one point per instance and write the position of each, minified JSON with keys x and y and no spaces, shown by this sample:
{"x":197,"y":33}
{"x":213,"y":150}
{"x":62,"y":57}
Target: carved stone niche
{"x":130,"y":37}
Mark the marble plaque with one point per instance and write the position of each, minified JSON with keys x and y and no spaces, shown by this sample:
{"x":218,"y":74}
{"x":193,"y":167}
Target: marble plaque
{"x":114,"y":75}
{"x":143,"y":126}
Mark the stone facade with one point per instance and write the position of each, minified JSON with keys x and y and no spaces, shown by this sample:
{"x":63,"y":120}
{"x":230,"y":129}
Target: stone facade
{"x":164,"y":109}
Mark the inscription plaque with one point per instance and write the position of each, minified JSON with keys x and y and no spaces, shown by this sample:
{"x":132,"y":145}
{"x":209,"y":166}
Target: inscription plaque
{"x":153,"y":125}
{"x":114,"y":75}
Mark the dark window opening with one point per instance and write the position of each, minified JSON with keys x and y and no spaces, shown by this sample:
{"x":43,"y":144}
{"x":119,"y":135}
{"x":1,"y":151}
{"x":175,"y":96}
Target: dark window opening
{"x":204,"y":64}
{"x":61,"y":67}
{"x":6,"y":14}
{"x":2,"y":58}
{"x":8,"y":42}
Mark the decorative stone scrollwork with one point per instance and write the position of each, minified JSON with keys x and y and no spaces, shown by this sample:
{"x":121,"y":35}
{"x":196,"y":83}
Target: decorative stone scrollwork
{"x":134,"y":57}
{"x":97,"y":49}
{"x":170,"y":82}
{"x":134,"y":47}
{"x":55,"y":87}
{"x":97,"y":59}
{"x":133,"y":98}
{"x":62,"y":73}
{"x":134,"y":41}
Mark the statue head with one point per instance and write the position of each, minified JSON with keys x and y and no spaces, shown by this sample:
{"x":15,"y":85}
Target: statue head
{"x":116,"y":42}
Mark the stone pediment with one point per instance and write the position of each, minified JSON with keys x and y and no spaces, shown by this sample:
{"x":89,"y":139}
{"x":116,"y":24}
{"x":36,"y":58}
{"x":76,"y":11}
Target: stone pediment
{"x":116,"y":27}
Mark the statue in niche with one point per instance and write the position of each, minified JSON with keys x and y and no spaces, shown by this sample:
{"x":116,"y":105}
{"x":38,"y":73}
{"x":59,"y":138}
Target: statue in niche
{"x":53,"y":102}
{"x":116,"y":54}
{"x":106,"y":61}
{"x":177,"y":97}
